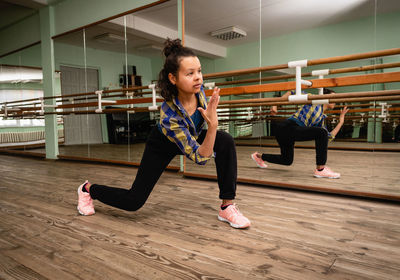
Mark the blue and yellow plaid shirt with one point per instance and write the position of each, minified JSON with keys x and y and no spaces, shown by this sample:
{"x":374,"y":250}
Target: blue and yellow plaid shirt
{"x":179,"y":128}
{"x":311,"y":115}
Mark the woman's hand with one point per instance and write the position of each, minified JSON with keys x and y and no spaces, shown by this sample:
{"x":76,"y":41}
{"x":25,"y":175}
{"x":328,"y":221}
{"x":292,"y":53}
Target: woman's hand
{"x":210,"y":114}
{"x":343,"y":113}
{"x":273,"y":110}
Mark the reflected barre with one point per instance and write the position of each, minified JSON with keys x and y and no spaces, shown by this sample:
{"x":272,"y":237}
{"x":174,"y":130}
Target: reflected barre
{"x":35,"y":107}
{"x":310,"y":62}
{"x":316,"y":83}
{"x":313,"y":73}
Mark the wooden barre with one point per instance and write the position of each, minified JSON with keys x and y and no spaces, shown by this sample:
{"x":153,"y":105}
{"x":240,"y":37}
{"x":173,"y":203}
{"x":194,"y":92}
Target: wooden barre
{"x":315,"y":97}
{"x":24,"y":108}
{"x":316,"y":83}
{"x":353,"y":97}
{"x":104,"y":111}
{"x":279,"y":103}
{"x":266,"y":112}
{"x":79,"y":94}
{"x":309,"y":74}
{"x":311,"y":62}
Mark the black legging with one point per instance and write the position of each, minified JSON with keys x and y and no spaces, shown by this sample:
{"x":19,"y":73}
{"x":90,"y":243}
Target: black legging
{"x":287,"y":132}
{"x":397,"y":133}
{"x":158,"y":153}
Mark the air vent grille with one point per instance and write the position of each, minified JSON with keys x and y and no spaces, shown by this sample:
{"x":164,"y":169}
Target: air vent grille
{"x":229,"y":33}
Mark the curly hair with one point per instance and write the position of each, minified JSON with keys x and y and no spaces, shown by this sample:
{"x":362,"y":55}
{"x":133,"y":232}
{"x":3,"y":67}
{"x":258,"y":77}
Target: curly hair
{"x":173,"y":52}
{"x":328,"y":91}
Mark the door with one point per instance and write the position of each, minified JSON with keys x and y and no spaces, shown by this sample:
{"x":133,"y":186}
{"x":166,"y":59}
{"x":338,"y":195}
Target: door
{"x":76,"y":127}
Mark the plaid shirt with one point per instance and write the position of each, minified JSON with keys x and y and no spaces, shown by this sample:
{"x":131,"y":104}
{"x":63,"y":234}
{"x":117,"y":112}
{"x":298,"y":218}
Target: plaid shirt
{"x":179,"y":128}
{"x":311,"y":115}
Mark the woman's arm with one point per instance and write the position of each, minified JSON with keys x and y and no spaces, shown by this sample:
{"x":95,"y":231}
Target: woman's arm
{"x":211,"y":117}
{"x":341,"y":121}
{"x":274,"y":109}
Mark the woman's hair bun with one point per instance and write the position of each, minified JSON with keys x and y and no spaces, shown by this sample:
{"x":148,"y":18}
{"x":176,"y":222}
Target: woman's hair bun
{"x":172,"y":47}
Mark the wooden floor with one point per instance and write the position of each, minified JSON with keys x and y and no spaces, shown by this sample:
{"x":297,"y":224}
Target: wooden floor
{"x":364,"y":173}
{"x":176,"y":235}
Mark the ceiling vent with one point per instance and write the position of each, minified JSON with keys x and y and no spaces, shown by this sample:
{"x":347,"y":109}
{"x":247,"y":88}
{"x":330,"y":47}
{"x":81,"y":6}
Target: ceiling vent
{"x":229,"y":33}
{"x":109,"y":38}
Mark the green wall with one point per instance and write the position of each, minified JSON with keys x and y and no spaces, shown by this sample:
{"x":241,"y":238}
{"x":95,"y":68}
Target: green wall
{"x":73,"y":14}
{"x":26,"y":57}
{"x":68,"y":15}
{"x":19,"y":35}
{"x":326,"y":41}
{"x":110,"y":64}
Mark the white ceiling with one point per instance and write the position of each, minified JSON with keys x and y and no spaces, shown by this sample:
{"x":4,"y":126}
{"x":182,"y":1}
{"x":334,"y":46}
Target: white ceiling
{"x":276,"y":17}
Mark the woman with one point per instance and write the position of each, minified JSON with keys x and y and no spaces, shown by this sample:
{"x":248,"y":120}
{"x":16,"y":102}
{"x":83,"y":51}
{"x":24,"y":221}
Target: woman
{"x":181,"y":130}
{"x":304,"y":125}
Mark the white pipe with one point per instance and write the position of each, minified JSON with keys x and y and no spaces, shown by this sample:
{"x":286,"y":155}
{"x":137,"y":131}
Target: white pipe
{"x":384,"y":110}
{"x":321,"y":89}
{"x":298,"y":80}
{"x":41,"y":112}
{"x":321,"y":101}
{"x":298,"y":64}
{"x":301,"y":97}
{"x":99,"y":93}
{"x":154,"y":107}
{"x":101,"y":102}
{"x":210,"y":85}
{"x":301,"y":63}
{"x":5,"y":111}
{"x":72,"y":102}
{"x":306,"y":83}
{"x":322,"y":72}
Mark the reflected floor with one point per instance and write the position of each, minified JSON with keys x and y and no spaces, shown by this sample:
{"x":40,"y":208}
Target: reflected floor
{"x":361,"y":172}
{"x":336,"y":144}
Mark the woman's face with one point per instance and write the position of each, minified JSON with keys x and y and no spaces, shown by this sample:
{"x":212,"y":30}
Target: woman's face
{"x":189,"y":77}
{"x":331,"y":106}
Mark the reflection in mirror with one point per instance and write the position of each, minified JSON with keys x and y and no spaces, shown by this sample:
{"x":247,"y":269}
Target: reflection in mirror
{"x":363,"y":150}
{"x":119,"y":59}
{"x":22,"y":125}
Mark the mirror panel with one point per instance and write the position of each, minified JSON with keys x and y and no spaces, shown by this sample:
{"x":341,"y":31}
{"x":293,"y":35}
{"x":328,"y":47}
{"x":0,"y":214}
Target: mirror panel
{"x":363,"y":151}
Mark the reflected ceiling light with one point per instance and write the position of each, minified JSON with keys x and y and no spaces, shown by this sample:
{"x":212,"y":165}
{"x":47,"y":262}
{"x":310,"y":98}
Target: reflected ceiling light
{"x":109,"y":38}
{"x":229,"y":33}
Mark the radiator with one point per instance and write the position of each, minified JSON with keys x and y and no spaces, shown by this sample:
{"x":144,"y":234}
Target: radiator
{"x":28,"y":136}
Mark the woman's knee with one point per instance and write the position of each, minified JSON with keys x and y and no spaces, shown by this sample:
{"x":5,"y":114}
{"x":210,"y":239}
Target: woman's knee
{"x":322,"y":133}
{"x":134,"y":202}
{"x":287,"y":161}
{"x":224,"y":139}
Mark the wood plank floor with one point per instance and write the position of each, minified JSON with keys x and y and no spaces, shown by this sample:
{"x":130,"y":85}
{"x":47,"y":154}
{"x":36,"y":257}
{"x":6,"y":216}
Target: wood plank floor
{"x":367,"y":173}
{"x":176,"y":235}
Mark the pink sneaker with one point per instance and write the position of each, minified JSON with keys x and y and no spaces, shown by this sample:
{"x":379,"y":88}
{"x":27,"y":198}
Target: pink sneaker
{"x":260,"y":163}
{"x":326,"y":173}
{"x":85,"y":202}
{"x":232,"y":215}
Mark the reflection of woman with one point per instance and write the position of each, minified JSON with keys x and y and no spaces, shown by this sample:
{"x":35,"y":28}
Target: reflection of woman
{"x":306,"y":124}
{"x":396,"y":136}
{"x":181,"y":131}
